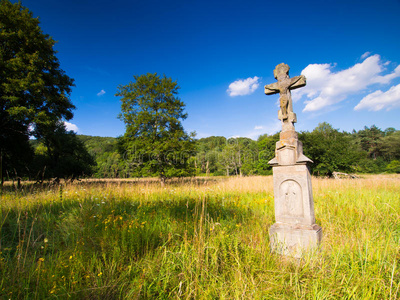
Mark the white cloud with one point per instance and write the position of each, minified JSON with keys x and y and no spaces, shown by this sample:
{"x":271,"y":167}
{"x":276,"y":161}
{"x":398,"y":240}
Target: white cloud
{"x":365,"y":55}
{"x":71,"y":126}
{"x":258,"y":127}
{"x":379,"y":100}
{"x":101,"y":93}
{"x":243,"y":87}
{"x":326,"y":88}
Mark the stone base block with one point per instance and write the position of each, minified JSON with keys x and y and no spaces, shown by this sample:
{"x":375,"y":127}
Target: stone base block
{"x":294,"y":241}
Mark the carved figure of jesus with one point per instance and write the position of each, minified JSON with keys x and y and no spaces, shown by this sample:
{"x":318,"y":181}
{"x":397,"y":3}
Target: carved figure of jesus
{"x":283,"y":87}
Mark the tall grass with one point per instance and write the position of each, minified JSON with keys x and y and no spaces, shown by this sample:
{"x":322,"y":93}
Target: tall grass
{"x":195,"y":240}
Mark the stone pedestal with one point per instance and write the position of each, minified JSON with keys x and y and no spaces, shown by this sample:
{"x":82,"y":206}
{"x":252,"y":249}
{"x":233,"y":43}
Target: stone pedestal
{"x":295,"y":230}
{"x":294,"y":241}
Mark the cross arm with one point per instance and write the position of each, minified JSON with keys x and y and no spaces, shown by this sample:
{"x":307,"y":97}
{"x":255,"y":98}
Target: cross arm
{"x":271,"y":89}
{"x":298,"y":82}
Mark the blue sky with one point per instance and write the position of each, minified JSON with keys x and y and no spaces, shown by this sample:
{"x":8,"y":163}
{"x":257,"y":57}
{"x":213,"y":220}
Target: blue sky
{"x":222,"y":53}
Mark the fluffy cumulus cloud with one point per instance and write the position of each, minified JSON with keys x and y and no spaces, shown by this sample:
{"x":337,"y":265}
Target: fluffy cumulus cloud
{"x":71,"y":126}
{"x":101,"y":93}
{"x":379,"y":100}
{"x":326,"y":88}
{"x":243,"y":87}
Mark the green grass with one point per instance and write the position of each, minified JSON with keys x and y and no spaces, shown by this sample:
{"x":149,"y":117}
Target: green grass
{"x":195,"y":240}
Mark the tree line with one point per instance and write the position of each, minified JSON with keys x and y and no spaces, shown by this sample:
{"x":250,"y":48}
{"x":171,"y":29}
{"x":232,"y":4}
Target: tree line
{"x":369,"y":150}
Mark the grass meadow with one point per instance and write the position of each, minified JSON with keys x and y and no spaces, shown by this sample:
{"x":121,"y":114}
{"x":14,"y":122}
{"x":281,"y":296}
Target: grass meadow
{"x":204,"y":238}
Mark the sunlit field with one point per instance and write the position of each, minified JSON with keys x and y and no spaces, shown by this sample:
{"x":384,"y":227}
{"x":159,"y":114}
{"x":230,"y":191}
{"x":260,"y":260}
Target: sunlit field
{"x":203,"y":238}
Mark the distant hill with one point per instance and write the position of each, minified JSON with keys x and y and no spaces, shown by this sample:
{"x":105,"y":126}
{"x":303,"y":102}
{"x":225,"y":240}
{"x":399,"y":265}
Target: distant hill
{"x":105,"y":152}
{"x":97,"y":145}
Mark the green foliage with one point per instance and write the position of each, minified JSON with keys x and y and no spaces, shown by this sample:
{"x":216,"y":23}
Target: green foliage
{"x":221,"y":156}
{"x":379,"y":148}
{"x":393,"y":167}
{"x":391,"y":145}
{"x":370,"y":140}
{"x":208,"y":153}
{"x":97,"y":144}
{"x":155,"y":143}
{"x":61,"y":153}
{"x":241,"y":154}
{"x":330,"y":150}
{"x":15,"y":152}
{"x":109,"y":163}
{"x":33,"y":89}
{"x":266,"y":145}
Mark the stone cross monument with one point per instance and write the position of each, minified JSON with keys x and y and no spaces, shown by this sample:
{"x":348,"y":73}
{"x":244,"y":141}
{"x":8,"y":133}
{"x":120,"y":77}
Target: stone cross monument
{"x":295,"y":230}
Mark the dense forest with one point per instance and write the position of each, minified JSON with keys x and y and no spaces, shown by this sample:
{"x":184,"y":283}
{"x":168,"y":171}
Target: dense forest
{"x":370,"y":150}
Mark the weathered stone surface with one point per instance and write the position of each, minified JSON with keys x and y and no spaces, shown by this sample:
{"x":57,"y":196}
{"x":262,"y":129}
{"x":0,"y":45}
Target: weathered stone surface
{"x":283,"y":87}
{"x":288,"y":134}
{"x":294,"y":241}
{"x":289,"y":152}
{"x":293,"y":195}
{"x":295,"y":231}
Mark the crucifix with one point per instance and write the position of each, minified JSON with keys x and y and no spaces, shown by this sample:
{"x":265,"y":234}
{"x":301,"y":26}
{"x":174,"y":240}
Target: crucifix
{"x":295,"y":230}
{"x":283,"y":87}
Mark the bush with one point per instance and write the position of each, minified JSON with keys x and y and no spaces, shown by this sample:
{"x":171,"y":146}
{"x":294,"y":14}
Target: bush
{"x":393,"y":167}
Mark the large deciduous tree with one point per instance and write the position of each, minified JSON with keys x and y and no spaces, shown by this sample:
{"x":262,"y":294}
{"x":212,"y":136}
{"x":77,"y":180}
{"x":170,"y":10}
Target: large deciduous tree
{"x":34,"y":90}
{"x":155,"y":143}
{"x":330,"y":150}
{"x":370,"y":140}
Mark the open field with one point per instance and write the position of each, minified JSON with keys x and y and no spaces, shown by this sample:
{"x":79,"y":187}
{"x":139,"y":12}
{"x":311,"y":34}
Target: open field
{"x":197,"y":239}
